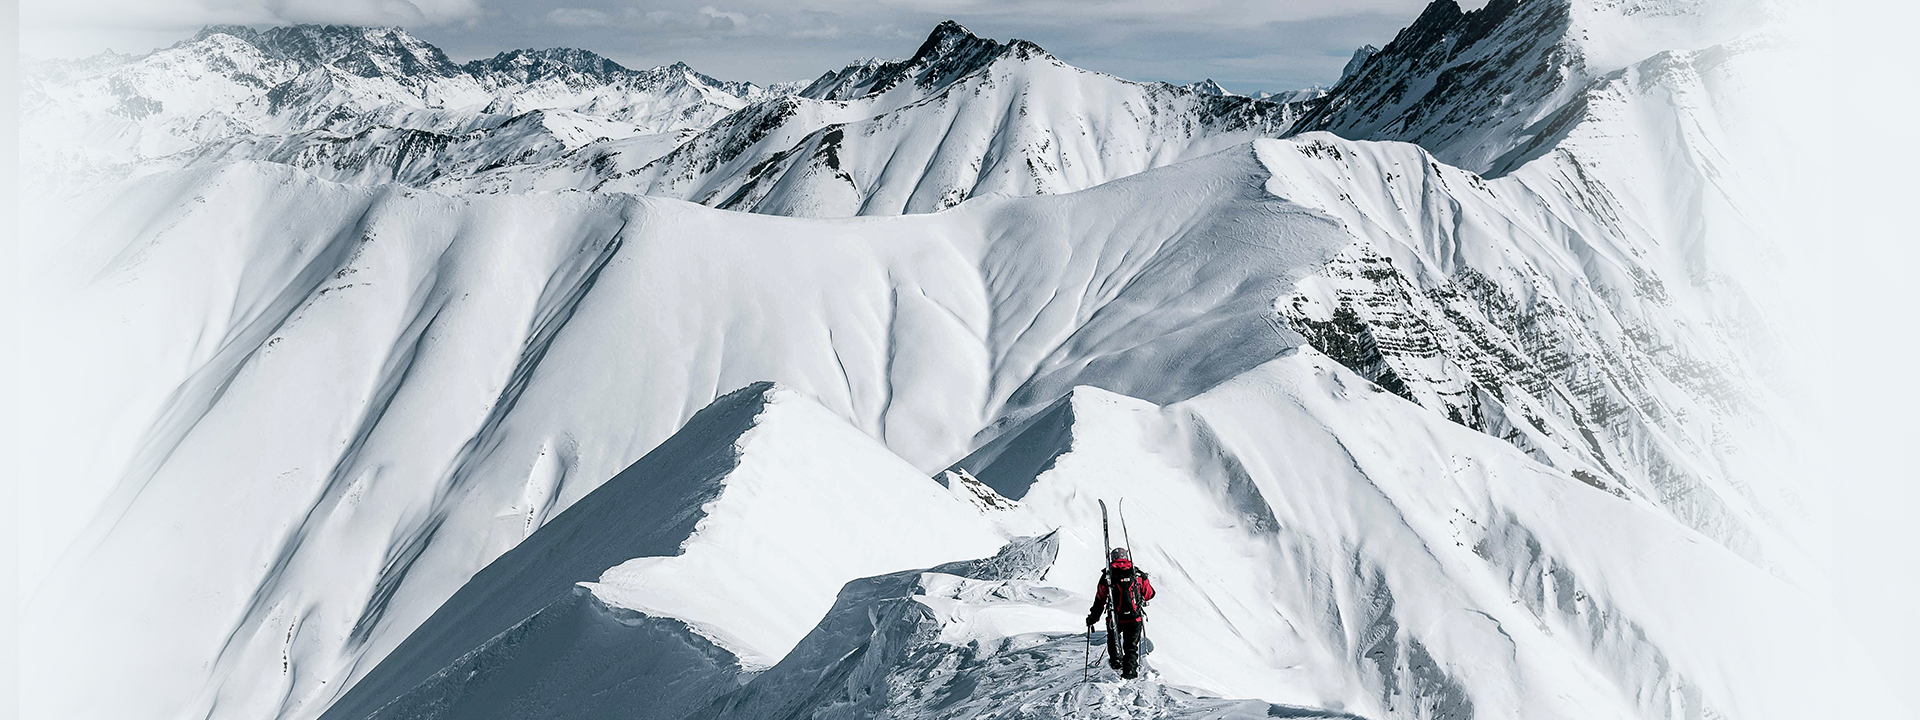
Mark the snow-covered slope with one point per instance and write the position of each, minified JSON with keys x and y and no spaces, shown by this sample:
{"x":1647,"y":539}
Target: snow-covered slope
{"x":299,"y":415}
{"x":988,"y":638}
{"x":1319,"y":544}
{"x":732,"y":537}
{"x":1374,"y":510}
{"x":399,"y":386}
{"x":1588,"y":305}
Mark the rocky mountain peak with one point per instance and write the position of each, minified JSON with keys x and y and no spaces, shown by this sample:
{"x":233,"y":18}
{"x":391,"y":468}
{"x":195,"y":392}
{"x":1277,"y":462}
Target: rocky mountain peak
{"x":1207,"y":87}
{"x":946,"y":35}
{"x":363,"y":51}
{"x":950,"y":52}
{"x":533,"y":65}
{"x":1461,"y":83}
{"x":1358,"y":61}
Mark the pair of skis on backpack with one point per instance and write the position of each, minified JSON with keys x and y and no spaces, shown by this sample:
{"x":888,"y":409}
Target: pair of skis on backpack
{"x":1123,"y":593}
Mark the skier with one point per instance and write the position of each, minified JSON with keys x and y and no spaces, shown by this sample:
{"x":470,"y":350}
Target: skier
{"x":1131,"y":589}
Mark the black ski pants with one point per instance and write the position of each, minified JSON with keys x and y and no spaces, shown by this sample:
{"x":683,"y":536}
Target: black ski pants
{"x":1123,"y":647}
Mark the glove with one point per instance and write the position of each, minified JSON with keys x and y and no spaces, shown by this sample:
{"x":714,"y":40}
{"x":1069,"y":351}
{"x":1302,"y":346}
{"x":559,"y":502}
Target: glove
{"x":1093,"y":620}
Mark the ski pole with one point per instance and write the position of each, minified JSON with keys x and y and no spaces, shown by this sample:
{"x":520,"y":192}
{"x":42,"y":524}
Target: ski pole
{"x":1086,"y":668}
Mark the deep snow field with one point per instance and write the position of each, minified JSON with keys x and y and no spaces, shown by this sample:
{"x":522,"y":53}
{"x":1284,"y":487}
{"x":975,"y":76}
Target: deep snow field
{"x":381,"y":386}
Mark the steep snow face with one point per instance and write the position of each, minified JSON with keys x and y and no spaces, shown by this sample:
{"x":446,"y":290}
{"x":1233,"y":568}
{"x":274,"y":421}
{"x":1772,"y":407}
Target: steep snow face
{"x":387,"y":389}
{"x":348,"y":103}
{"x":813,"y":504}
{"x":734,"y":535}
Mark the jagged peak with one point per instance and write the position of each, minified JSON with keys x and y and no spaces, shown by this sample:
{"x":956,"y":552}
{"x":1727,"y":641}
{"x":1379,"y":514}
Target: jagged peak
{"x":948,"y":40}
{"x":1358,"y":61}
{"x":1207,"y":87}
{"x":950,"y":52}
{"x":526,"y":64}
{"x":362,"y":50}
{"x":950,"y":30}
{"x":1461,"y":83}
{"x":1439,"y":11}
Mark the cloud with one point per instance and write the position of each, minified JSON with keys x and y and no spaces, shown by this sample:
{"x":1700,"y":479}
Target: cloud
{"x":578,"y":17}
{"x":73,"y":28}
{"x":709,"y":22}
{"x":81,"y":14}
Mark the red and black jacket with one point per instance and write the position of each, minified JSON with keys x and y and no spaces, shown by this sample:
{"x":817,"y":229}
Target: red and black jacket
{"x":1131,"y":589}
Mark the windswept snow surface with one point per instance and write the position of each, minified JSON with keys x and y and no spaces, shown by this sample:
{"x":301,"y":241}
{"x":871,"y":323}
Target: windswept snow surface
{"x":1322,"y":547}
{"x":1319,"y":541}
{"x":1590,"y":305}
{"x":388,"y":389}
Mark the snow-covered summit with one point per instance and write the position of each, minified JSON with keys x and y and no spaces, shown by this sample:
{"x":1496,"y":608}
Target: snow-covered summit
{"x":964,"y":117}
{"x":363,"y":51}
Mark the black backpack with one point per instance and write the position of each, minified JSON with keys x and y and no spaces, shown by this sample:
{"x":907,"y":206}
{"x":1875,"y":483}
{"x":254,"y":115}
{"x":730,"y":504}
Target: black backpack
{"x":1126,"y":593}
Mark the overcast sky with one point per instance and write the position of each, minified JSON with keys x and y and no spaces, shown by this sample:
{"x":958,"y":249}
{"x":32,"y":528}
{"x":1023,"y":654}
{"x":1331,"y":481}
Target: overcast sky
{"x":1246,"y":45}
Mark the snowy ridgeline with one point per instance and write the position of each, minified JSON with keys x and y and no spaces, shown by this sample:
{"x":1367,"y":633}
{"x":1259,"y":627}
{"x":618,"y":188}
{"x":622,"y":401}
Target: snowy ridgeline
{"x":350,"y":419}
{"x":1352,"y":580}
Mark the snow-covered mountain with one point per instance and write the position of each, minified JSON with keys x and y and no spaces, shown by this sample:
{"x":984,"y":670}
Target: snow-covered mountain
{"x":1468,"y":426}
{"x":352,"y":104}
{"x":371,"y":105}
{"x":1605,"y":326}
{"x":442,"y":343}
{"x":964,"y":116}
{"x":1478,"y":89}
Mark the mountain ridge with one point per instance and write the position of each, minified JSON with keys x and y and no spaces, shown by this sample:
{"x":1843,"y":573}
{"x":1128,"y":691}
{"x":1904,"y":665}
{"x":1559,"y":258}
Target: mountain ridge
{"x":1452,"y":366}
